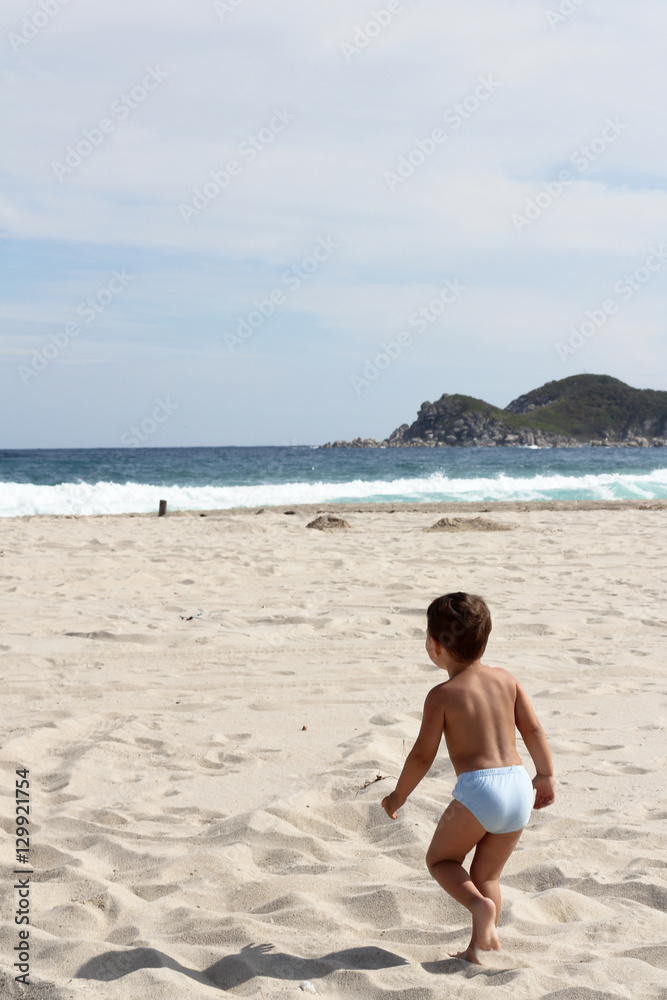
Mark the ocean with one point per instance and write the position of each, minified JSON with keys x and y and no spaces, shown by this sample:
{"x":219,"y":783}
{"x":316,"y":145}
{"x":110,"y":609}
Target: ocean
{"x":115,"y":481}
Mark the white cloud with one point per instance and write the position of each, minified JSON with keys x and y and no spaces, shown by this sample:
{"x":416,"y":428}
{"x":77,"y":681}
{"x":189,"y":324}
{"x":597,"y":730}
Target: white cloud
{"x":324,"y":173}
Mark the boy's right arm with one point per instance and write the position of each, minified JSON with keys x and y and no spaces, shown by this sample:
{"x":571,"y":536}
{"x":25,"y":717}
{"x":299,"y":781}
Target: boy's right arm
{"x":422,"y":754}
{"x":536,"y":743}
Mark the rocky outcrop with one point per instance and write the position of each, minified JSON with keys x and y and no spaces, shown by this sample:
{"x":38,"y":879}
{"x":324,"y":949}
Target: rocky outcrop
{"x":454,"y":422}
{"x":450,"y":424}
{"x":581,"y":410}
{"x":357,"y":443}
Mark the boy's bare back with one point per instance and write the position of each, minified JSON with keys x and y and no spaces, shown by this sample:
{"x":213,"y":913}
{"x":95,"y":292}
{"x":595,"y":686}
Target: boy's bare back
{"x":479,"y":707}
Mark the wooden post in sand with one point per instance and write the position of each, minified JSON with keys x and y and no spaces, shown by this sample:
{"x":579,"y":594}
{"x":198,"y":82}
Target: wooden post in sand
{"x":163,"y":508}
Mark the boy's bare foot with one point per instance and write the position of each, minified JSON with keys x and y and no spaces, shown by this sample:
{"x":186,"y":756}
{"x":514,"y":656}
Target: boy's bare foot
{"x":484,"y":934}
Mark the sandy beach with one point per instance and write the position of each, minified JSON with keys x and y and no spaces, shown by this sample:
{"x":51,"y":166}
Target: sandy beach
{"x":212,"y":707}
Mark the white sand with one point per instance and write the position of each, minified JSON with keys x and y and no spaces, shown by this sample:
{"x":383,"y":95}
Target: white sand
{"x":192,"y":839}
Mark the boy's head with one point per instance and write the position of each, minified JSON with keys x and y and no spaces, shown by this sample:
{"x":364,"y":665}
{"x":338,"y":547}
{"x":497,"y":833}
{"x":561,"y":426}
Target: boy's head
{"x":461,"y":623}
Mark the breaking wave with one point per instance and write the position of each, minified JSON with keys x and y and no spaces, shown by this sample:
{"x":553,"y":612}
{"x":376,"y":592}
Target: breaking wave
{"x":17,"y":499}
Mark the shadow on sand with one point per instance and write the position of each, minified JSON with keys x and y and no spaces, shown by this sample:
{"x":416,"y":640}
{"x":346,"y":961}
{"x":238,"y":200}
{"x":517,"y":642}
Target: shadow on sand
{"x":452,"y":966}
{"x":234,"y":970}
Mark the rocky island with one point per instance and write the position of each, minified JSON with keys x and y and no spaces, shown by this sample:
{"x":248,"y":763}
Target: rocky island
{"x":572,"y":412}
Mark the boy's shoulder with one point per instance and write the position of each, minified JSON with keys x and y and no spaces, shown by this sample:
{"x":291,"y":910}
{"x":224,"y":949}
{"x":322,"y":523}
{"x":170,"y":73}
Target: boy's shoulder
{"x":502,"y":672}
{"x":500,"y":675}
{"x":438,"y":694}
{"x":462,"y":681}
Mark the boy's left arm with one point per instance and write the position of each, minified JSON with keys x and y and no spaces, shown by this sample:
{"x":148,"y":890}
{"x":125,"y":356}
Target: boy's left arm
{"x":423,"y":752}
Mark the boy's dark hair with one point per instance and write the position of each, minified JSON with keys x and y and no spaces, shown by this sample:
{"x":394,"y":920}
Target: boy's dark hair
{"x":461,"y":623}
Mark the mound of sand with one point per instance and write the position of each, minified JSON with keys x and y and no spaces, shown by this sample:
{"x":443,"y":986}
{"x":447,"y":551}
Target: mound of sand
{"x":329,"y":522}
{"x":469,"y":524}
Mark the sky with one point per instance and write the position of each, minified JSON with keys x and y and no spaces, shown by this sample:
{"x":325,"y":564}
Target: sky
{"x":262,"y":223}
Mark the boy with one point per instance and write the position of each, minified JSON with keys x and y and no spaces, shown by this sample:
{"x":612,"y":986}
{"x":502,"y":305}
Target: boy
{"x":478,"y":709}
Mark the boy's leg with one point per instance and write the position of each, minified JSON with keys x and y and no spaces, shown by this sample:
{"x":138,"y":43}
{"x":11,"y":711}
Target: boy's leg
{"x":491,"y":853}
{"x":456,"y":834}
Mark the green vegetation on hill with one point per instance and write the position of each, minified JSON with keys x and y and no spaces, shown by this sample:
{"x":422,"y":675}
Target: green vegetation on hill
{"x":583,"y":407}
{"x":564,"y":413}
{"x":589,"y":407}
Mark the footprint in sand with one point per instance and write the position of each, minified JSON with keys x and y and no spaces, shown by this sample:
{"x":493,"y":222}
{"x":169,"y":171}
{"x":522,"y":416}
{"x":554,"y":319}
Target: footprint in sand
{"x":144,"y":741}
{"x":219,"y":760}
{"x":384,"y":719}
{"x":558,"y":906}
{"x":614,"y":768}
{"x":580,"y":746}
{"x":111,"y":637}
{"x":529,"y":628}
{"x":655,"y":955}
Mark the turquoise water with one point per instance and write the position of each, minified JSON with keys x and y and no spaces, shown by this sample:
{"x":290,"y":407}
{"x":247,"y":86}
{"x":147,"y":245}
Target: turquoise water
{"x":97,"y":481}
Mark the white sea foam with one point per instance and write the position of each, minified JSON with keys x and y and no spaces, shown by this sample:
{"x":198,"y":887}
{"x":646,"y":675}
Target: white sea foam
{"x":18,"y":499}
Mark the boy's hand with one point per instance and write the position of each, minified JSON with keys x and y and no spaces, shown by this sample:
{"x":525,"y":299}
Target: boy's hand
{"x":391,"y":803}
{"x":546,"y":790}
